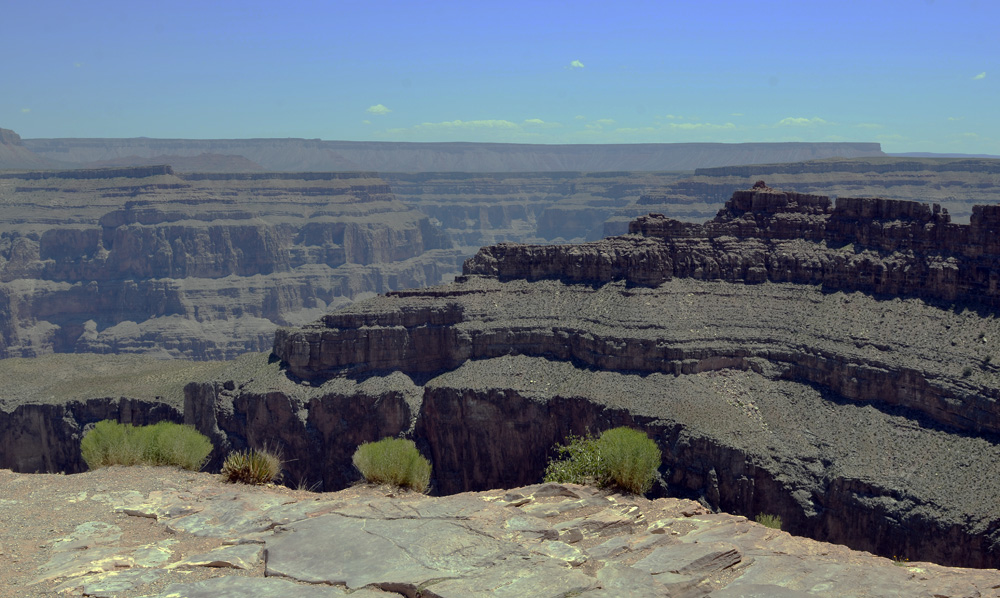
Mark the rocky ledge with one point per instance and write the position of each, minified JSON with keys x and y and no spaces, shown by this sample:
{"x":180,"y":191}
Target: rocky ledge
{"x":197,"y":537}
{"x":833,"y":365}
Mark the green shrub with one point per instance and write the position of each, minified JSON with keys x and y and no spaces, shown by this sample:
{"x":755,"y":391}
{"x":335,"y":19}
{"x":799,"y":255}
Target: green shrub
{"x":621,"y":457}
{"x":579,"y":462}
{"x":252,"y":466}
{"x":165,"y":443}
{"x":393,"y":461}
{"x":771,"y":521}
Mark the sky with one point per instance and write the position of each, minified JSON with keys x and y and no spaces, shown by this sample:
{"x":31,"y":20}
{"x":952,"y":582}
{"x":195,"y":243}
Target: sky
{"x":915,"y":75}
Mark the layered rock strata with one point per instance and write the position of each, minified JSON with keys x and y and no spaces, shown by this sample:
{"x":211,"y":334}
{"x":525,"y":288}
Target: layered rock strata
{"x":887,"y":247}
{"x":752,"y":348}
{"x":200,"y":266}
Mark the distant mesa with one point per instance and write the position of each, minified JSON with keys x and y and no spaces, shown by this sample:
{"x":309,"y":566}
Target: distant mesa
{"x":14,"y":154}
{"x":214,"y":155}
{"x":201,"y":163}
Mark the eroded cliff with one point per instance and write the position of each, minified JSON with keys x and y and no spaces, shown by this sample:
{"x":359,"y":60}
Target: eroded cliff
{"x":200,"y":266}
{"x":831,"y":363}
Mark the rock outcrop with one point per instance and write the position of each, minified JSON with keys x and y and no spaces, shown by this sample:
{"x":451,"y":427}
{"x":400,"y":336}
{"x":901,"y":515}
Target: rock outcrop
{"x":196,"y":537}
{"x":201,"y":266}
{"x":881,"y":246}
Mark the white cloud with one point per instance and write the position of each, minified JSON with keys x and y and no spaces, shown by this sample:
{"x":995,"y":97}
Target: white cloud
{"x":25,"y":110}
{"x":579,"y":117}
{"x":690,"y":126}
{"x":676,"y":127}
{"x":453,"y":126}
{"x":378,"y":109}
{"x":576,"y":64}
{"x":600,"y":123}
{"x":534,"y":121}
{"x":981,"y":75}
{"x":366,"y":122}
{"x":801,"y":122}
{"x":472,"y":124}
{"x":954,"y":118}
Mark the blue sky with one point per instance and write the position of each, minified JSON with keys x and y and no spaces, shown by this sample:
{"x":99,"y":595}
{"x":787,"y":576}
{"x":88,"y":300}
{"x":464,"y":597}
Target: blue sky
{"x":917,"y":75}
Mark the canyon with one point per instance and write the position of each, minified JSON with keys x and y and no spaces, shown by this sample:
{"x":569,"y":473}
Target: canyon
{"x":201,"y":266}
{"x":828,"y":362}
{"x":208,"y":265}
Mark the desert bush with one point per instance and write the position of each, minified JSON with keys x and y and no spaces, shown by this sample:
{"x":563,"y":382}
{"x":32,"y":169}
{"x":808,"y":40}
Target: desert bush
{"x":771,"y":521}
{"x":578,"y":462}
{"x":252,"y":466}
{"x":620,"y":457}
{"x":393,"y":461}
{"x":165,"y":443}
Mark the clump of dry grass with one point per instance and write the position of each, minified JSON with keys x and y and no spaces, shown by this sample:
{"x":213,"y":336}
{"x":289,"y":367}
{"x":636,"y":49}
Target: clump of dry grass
{"x":252,"y":466}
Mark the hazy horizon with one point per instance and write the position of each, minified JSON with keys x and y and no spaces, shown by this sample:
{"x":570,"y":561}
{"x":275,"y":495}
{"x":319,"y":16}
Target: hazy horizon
{"x":914,"y":76}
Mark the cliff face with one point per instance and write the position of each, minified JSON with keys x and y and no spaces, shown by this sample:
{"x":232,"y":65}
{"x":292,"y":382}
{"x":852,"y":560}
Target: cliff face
{"x":137,"y":260}
{"x":753,"y":348}
{"x":887,"y":247}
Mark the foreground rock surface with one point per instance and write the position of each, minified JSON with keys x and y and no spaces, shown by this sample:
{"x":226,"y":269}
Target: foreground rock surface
{"x":113,"y":534}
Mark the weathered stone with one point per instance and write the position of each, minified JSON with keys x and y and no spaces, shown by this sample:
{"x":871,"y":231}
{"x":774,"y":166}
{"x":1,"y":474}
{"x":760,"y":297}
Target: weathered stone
{"x":246,"y":556}
{"x":532,"y":527}
{"x":87,"y":535}
{"x":562,"y":551}
{"x":691,"y":559}
{"x":531,"y":576}
{"x":618,"y":580}
{"x":240,"y":587}
{"x":114,"y":583}
{"x":358,"y":552}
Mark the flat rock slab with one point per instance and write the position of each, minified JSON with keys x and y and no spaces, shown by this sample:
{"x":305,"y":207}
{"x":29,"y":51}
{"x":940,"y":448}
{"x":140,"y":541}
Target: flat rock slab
{"x":206,"y":539}
{"x":355,"y":552}
{"x":244,"y":587}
